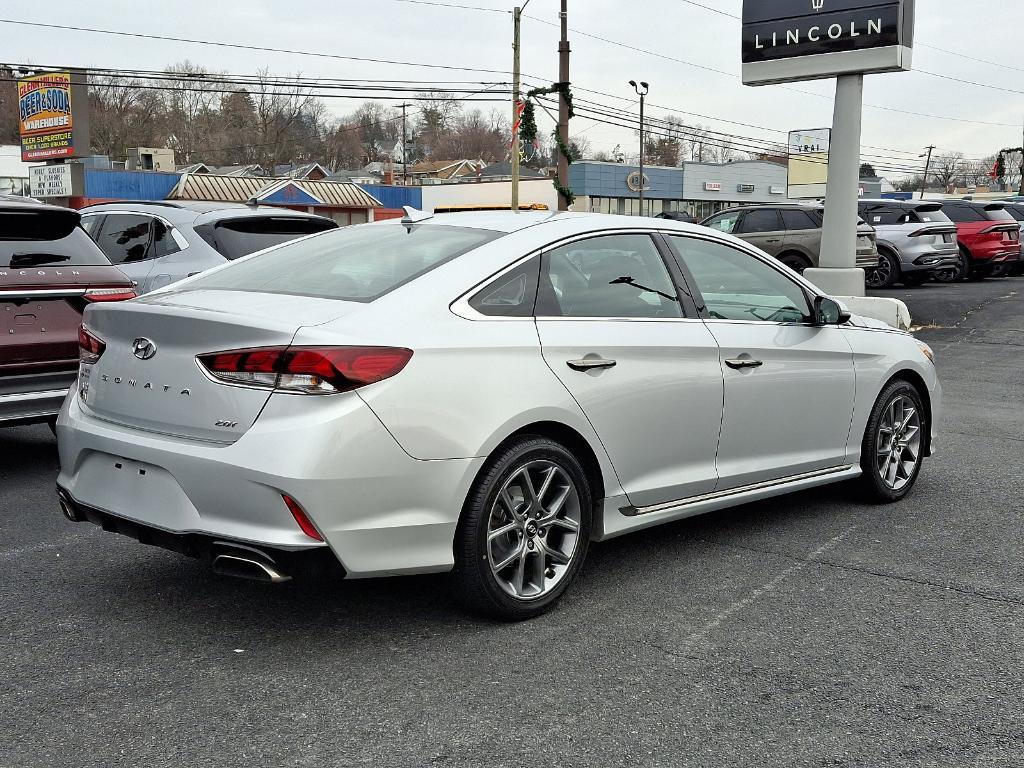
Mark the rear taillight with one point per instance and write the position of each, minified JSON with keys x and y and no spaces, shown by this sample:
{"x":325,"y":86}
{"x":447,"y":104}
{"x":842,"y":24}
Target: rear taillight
{"x":301,"y":517}
{"x":930,"y":231}
{"x":109,"y":294}
{"x":1000,"y":228}
{"x":90,"y":346}
{"x":309,"y":370}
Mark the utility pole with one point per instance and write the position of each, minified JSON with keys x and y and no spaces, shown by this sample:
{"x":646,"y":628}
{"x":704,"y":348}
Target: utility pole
{"x":927,"y":167}
{"x":517,"y":17}
{"x":405,"y":152}
{"x":642,"y":90}
{"x":563,"y":105}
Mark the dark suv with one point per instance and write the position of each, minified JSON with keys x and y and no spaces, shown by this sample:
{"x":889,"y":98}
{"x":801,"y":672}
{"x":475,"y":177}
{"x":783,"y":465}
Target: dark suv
{"x":790,"y":233}
{"x":989,"y":239}
{"x":49,"y":271}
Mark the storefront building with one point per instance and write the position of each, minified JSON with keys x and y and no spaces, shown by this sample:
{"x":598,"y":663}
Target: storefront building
{"x":699,"y":189}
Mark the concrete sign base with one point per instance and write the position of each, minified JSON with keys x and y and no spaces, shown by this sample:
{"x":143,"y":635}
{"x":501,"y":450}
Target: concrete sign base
{"x":837,"y":282}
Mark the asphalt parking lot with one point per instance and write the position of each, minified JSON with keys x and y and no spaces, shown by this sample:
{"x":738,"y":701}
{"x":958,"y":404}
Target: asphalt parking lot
{"x":810,"y":630}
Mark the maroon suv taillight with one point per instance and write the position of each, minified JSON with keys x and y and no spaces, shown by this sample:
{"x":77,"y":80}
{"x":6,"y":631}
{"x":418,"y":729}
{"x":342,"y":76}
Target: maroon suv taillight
{"x":309,"y":370}
{"x":90,"y":346}
{"x":109,"y":294}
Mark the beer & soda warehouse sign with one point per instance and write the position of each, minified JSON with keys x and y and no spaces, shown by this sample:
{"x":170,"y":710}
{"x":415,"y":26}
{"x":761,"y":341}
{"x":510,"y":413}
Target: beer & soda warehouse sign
{"x":790,"y":40}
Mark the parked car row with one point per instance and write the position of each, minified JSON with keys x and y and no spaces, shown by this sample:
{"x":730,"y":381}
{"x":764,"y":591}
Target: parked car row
{"x":50,"y":270}
{"x":898,"y":241}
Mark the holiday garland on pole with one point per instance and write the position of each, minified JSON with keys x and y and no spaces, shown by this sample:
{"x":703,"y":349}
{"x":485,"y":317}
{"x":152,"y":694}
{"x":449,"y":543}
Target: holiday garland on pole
{"x":999,"y":171}
{"x":528,"y":129}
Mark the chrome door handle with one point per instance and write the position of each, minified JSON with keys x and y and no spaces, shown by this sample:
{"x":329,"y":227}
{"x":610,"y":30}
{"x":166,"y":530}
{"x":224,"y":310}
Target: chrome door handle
{"x":590,"y":364}
{"x":740,"y":363}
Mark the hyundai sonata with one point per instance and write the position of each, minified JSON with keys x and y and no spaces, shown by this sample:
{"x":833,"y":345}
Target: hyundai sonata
{"x":482,"y":393}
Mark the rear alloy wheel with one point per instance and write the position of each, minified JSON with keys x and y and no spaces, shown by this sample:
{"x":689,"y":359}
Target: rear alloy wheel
{"x":893,"y":446}
{"x":886,"y":274}
{"x":795,"y":261}
{"x":525,"y":530}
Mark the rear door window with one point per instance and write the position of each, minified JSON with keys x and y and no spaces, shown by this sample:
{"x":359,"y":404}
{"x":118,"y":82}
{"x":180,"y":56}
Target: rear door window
{"x":765,"y":220}
{"x":125,"y":238}
{"x":31,"y":239}
{"x":963,"y":214}
{"x":235,"y":238}
{"x":353,"y":264}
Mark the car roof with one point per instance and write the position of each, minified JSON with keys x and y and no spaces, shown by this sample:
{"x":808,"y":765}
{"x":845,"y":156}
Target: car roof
{"x":188,"y":211}
{"x":767,"y":206}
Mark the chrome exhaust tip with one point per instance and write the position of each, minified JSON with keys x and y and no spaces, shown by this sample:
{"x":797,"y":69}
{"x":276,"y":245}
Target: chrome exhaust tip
{"x":243,"y":565}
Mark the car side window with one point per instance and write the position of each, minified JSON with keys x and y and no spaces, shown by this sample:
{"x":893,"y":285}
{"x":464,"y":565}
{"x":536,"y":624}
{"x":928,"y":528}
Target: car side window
{"x":91,"y":224}
{"x":125,"y":238}
{"x":724,"y":222}
{"x":614,"y":276}
{"x":763,"y":220}
{"x":797,"y":220}
{"x":737,"y":286}
{"x":511,"y":295}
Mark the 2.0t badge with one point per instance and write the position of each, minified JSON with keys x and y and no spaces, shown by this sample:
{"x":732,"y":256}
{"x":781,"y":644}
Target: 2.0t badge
{"x":143,"y":348}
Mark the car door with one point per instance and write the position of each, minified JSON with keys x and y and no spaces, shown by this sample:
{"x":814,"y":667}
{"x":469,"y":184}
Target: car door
{"x":762,"y":227}
{"x":644,"y":369}
{"x":127,"y":240}
{"x":803,"y":234}
{"x":789,"y":384}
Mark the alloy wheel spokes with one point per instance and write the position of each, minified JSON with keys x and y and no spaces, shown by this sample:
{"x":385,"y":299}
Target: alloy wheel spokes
{"x":898,"y":443}
{"x":533,"y":529}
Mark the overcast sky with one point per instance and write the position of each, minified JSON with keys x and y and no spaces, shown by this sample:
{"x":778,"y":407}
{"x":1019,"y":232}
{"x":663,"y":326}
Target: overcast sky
{"x":393,"y":29}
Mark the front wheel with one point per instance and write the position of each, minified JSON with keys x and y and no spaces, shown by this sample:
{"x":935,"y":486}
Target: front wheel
{"x":524,"y":531}
{"x":893,"y":445}
{"x":795,"y":261}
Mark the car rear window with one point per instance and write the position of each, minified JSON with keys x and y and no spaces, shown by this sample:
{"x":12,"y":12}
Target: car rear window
{"x":998,"y":214}
{"x":1016,"y":211}
{"x":234,"y":238}
{"x":930,"y":217}
{"x":43,"y":238}
{"x":963,"y":213}
{"x":352,"y":264}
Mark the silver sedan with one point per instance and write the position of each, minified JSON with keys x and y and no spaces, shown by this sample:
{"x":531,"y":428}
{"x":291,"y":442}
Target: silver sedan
{"x":480,"y":393}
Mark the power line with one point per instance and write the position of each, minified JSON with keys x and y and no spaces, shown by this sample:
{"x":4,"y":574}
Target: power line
{"x":453,"y":5}
{"x":242,"y":46}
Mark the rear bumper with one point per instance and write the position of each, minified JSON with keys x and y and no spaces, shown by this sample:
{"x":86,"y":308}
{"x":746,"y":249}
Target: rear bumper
{"x":380,"y":511}
{"x":33,"y":398}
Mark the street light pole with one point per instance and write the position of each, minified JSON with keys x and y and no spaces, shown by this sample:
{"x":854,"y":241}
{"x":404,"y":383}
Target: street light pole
{"x":642,"y":90}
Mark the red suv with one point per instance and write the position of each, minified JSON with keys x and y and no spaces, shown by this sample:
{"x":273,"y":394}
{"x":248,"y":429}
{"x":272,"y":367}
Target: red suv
{"x":989,"y":239}
{"x":50,"y":270}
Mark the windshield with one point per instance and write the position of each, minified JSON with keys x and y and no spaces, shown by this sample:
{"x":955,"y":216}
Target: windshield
{"x":354,"y":264}
{"x":36,"y":239}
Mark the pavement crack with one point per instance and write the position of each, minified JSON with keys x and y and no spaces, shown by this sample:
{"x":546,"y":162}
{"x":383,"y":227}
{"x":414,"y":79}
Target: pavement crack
{"x":947,"y":587}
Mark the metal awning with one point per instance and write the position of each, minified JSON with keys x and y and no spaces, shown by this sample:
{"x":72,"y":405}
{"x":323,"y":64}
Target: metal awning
{"x":245,"y":189}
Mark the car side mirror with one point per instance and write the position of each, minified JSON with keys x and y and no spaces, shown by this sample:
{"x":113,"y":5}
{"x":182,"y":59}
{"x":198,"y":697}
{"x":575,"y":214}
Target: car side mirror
{"x":828,"y":311}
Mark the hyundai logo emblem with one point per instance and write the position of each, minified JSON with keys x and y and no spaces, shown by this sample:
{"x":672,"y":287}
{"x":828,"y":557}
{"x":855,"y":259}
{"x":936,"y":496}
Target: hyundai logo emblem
{"x":143,"y":348}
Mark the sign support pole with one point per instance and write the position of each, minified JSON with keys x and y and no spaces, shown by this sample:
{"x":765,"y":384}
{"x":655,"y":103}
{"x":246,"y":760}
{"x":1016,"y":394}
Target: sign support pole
{"x":838,"y":274}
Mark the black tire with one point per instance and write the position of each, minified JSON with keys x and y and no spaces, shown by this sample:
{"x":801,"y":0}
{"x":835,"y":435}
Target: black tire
{"x":887,"y":274}
{"x":875,"y":488}
{"x":796,"y":262}
{"x":478,"y":586}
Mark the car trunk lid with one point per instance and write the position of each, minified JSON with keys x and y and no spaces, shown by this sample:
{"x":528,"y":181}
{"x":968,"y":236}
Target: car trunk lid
{"x":148,"y":378}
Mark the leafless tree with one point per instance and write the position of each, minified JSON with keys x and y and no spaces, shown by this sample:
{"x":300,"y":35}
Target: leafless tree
{"x":947,"y":169}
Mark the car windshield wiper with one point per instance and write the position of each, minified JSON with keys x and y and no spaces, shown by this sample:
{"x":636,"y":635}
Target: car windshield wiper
{"x":37,"y":259}
{"x":627,"y":280}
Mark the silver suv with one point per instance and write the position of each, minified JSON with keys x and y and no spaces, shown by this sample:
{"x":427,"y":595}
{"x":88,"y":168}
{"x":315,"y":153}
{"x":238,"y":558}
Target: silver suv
{"x":790,"y":233}
{"x":916,"y":240}
{"x":158,"y":243}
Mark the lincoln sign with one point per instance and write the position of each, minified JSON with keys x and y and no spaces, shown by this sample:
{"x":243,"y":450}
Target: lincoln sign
{"x":791,"y":40}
